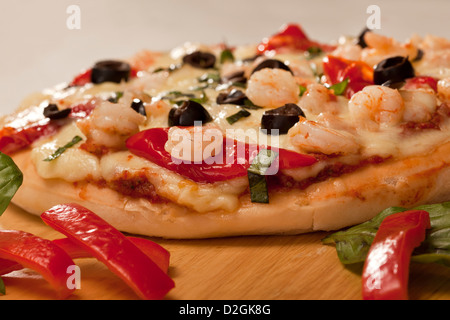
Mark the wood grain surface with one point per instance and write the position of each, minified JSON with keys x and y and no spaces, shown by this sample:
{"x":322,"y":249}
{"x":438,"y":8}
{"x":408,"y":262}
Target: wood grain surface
{"x":255,"y":268}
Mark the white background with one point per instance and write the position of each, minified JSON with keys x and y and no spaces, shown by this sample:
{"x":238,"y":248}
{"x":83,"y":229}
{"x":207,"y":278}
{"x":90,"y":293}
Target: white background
{"x":38,"y":50}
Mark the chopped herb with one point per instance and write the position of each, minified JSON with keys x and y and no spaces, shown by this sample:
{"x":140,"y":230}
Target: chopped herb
{"x":256,"y":173}
{"x":302,"y":90}
{"x":250,"y":105}
{"x":171,"y":68}
{"x":237,"y":116}
{"x":339,"y":88}
{"x":116,"y":97}
{"x":226,"y":55}
{"x":202,"y":99}
{"x":314,"y":52}
{"x":210,"y":78}
{"x":61,"y":150}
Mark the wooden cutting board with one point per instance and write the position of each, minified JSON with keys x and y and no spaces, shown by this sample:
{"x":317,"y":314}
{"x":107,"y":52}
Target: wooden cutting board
{"x":255,"y":268}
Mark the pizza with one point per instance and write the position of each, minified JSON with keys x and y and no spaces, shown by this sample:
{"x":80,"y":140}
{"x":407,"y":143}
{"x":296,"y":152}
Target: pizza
{"x":286,"y":135}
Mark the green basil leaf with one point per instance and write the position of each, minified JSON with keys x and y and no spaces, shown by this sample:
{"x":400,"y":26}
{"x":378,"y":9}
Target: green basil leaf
{"x":353,"y":244}
{"x":258,"y":188}
{"x":339,"y":88}
{"x":250,"y":105}
{"x":314,"y":52}
{"x":62,"y":149}
{"x":302,"y":90}
{"x":226,"y":55}
{"x":237,"y":116}
{"x":11,"y":179}
{"x":259,"y":191}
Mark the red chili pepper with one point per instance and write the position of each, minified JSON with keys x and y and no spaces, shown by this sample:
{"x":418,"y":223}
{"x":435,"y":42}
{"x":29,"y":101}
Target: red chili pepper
{"x":153,"y":250}
{"x":386,"y":269}
{"x":291,"y":38}
{"x":235,"y":158}
{"x":38,"y":254}
{"x":111,"y":247}
{"x":358,"y":73}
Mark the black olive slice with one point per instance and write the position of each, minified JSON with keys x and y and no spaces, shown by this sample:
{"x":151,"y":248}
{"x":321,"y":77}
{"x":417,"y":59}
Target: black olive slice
{"x":235,"y":77}
{"x":394,"y":85}
{"x":187,"y":114}
{"x":419,"y":55}
{"x":52,"y":112}
{"x":281,"y":119}
{"x":361,"y":42}
{"x":138,"y":106}
{"x":110,"y":71}
{"x":200,"y":59}
{"x":394,"y":69}
{"x":235,"y":96}
{"x":273,"y":64}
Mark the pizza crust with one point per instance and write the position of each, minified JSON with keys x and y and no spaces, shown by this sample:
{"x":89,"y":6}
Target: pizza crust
{"x":329,"y":205}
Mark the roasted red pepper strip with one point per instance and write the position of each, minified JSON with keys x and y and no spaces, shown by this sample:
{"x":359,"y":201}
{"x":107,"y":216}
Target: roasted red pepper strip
{"x":149,"y":144}
{"x":111,"y":247}
{"x":39,"y":254}
{"x":386,"y":269}
{"x":153,"y":250}
{"x":31,"y":125}
{"x":290,"y":38}
{"x":358,"y":73}
{"x":421,"y":82}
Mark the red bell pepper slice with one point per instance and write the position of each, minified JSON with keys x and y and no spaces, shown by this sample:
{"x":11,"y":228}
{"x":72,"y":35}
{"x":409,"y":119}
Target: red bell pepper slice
{"x":421,"y":82}
{"x":111,"y":247}
{"x":31,"y":125}
{"x":234,"y":163}
{"x":290,"y":38}
{"x":153,"y":250}
{"x":39,"y":254}
{"x":386,"y":269}
{"x":358,"y":73}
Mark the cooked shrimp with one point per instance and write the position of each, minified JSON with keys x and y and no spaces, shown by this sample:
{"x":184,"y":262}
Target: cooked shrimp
{"x":309,"y":136}
{"x":443,"y":89}
{"x":419,"y":105}
{"x":318,"y":99}
{"x":110,"y":124}
{"x":380,"y":47}
{"x":272,"y":88}
{"x":144,"y":59}
{"x":376,"y":107}
{"x":349,"y":51}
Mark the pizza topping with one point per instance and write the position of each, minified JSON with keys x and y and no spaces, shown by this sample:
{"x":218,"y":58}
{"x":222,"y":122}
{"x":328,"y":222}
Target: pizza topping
{"x":375,"y":107}
{"x":311,"y":137}
{"x":420,"y":105}
{"x":235,"y":96}
{"x":280,"y":120}
{"x":188,"y":114}
{"x":200,"y":59}
{"x":272,"y":64}
{"x":272,"y":88}
{"x":110,"y":124}
{"x":393,"y":69}
{"x":237,"y":116}
{"x":336,"y":70}
{"x":443,"y":90}
{"x":139,"y":106}
{"x":256,"y":173}
{"x":361,"y":42}
{"x":110,"y":71}
{"x":52,"y":112}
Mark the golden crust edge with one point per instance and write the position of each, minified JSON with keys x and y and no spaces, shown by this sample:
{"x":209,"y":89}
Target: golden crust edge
{"x":329,"y":205}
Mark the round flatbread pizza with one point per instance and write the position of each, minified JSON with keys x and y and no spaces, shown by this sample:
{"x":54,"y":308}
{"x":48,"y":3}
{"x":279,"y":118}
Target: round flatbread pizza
{"x":285,"y":136}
